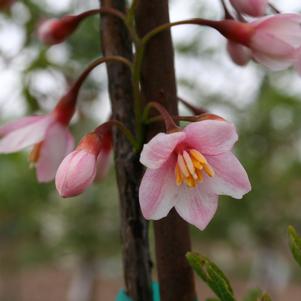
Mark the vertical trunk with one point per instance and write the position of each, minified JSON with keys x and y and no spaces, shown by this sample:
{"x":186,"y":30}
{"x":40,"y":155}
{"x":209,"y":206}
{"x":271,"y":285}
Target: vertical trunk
{"x":159,"y":84}
{"x":136,"y":260}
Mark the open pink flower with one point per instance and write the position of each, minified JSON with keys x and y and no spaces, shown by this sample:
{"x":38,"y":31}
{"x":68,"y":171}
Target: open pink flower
{"x":81,"y":167}
{"x":255,"y":8}
{"x":55,"y":31}
{"x":189,"y":169}
{"x":274,"y":41}
{"x":49,"y":134}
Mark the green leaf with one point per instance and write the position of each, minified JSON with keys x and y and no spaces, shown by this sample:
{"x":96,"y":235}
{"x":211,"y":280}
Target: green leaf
{"x":212,"y":275}
{"x":212,"y":299}
{"x":295,"y":244}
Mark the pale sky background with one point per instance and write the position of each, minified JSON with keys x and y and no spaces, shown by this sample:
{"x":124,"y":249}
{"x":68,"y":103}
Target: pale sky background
{"x":238,"y":84}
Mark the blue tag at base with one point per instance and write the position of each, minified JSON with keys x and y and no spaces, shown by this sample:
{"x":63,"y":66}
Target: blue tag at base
{"x":122,"y":296}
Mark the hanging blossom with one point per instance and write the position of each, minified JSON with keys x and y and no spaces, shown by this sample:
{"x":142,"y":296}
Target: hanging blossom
{"x":49,"y":134}
{"x":272,"y":41}
{"x":254,"y":8}
{"x":188,"y":169}
{"x":89,"y":161}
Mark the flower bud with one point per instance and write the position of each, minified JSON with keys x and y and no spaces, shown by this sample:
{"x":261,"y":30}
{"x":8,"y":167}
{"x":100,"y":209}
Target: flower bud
{"x":55,"y":31}
{"x":78,"y":169}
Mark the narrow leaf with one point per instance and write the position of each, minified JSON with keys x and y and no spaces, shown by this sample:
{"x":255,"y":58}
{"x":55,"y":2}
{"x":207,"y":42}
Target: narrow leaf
{"x":212,"y":275}
{"x":295,"y":244}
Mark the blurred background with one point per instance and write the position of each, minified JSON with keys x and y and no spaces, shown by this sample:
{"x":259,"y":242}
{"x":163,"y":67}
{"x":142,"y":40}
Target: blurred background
{"x":55,"y":249}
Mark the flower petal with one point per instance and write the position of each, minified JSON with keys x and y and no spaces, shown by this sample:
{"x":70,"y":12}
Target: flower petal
{"x":158,"y":190}
{"x":57,"y":144}
{"x":20,"y":123}
{"x":76,"y":173}
{"x":20,"y":138}
{"x":103,"y":164}
{"x":211,"y":137}
{"x":273,"y":63}
{"x":239,"y":54}
{"x":158,"y":149}
{"x":197,"y":206}
{"x":230,"y":177}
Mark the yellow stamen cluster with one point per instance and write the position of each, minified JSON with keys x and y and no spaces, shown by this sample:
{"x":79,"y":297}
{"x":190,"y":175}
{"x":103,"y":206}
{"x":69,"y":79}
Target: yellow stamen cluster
{"x":190,"y":167}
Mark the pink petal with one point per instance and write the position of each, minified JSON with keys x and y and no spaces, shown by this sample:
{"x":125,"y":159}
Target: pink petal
{"x":273,"y":63}
{"x":70,"y":142}
{"x":230,"y":176}
{"x":103,"y":164}
{"x":211,"y":137}
{"x":284,"y":27}
{"x":158,"y":190}
{"x":20,"y":123}
{"x":253,"y":8}
{"x":76,"y":173}
{"x":196,"y":206}
{"x":23,"y":137}
{"x":57,"y":144}
{"x":239,"y":54}
{"x":157,"y":151}
{"x":271,"y":45}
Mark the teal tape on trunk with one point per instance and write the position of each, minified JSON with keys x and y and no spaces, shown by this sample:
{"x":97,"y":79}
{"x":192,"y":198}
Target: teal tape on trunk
{"x":122,"y":296}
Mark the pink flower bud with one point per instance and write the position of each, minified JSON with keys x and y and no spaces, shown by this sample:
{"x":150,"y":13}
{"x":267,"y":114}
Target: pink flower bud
{"x":89,"y":160}
{"x":78,"y":169}
{"x":55,"y":31}
{"x":254,"y":8}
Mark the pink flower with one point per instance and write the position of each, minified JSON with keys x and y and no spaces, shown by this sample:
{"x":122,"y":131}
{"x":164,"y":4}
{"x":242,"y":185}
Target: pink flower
{"x":55,"y":31}
{"x":80,"y":168}
{"x":189,"y":169}
{"x":49,"y":134}
{"x":255,"y":8}
{"x":274,"y":41}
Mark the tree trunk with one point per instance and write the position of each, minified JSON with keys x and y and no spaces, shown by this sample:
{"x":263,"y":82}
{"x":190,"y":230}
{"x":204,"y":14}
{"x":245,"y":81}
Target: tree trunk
{"x":134,"y":237}
{"x":159,"y":84}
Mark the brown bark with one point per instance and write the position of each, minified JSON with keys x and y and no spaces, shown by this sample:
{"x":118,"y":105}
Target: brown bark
{"x":159,"y":84}
{"x":136,"y":260}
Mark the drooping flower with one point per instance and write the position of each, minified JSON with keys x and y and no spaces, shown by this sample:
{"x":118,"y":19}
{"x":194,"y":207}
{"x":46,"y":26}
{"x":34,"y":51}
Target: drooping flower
{"x":81,"y":167}
{"x":49,"y":134}
{"x":254,"y":8}
{"x":274,"y":41}
{"x":188,"y":169}
{"x":55,"y":31}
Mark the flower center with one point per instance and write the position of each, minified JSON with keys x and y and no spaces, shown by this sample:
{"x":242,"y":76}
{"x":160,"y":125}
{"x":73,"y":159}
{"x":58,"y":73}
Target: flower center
{"x":191,"y":165}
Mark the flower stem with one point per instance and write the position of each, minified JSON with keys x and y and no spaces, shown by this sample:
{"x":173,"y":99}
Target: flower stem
{"x":170,"y":125}
{"x":127,"y":133}
{"x":104,"y":11}
{"x":78,"y":83}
